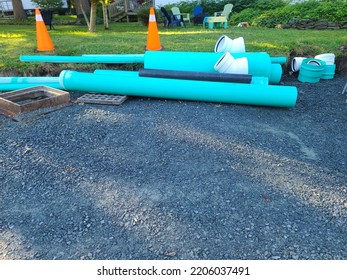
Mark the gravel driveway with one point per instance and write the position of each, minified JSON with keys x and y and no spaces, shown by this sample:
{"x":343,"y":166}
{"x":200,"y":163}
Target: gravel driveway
{"x":168,"y":179}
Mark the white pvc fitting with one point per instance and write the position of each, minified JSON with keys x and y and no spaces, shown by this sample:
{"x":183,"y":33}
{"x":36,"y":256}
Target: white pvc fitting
{"x":225,"y":44}
{"x":228,"y":64}
{"x":296,"y":63}
{"x":329,"y":58}
{"x":314,"y":62}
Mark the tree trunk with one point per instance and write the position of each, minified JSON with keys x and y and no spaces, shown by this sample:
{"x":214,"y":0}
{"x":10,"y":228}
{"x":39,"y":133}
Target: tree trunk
{"x":104,"y":13}
{"x":93,"y":5}
{"x":85,"y":15}
{"x":79,"y":4}
{"x":18,"y":10}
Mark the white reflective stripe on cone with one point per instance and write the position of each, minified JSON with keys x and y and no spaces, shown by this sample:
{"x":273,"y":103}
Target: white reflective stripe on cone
{"x":151,"y":18}
{"x":38,"y":17}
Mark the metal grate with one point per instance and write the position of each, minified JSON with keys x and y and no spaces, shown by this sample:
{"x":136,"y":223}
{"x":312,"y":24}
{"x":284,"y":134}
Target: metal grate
{"x":107,"y":99}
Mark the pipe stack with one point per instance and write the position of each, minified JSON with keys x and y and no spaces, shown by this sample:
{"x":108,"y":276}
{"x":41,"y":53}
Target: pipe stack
{"x":179,"y":75}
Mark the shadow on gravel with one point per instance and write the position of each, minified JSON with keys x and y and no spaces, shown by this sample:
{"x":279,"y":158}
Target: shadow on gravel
{"x":156,"y":179}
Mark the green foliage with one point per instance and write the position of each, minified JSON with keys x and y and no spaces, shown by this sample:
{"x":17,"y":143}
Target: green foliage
{"x":273,"y":12}
{"x":209,"y":6}
{"x":266,"y":5}
{"x":48,"y":4}
{"x":131,"y":37}
{"x":329,"y":10}
{"x":143,"y":15}
{"x":248,"y":15}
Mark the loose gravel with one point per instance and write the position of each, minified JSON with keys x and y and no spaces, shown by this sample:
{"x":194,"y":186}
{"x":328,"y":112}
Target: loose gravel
{"x":169,"y":179}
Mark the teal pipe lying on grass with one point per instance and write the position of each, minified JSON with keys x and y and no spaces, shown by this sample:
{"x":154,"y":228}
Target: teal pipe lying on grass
{"x":109,"y":59}
{"x":14,"y":83}
{"x":250,"y":94}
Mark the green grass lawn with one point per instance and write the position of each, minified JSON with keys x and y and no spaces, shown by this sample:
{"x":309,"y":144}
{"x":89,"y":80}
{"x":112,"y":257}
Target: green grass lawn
{"x":128,"y":38}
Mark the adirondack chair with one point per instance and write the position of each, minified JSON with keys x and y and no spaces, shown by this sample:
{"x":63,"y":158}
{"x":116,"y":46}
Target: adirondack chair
{"x":183,"y":17}
{"x":169,"y":19}
{"x":226,"y":11}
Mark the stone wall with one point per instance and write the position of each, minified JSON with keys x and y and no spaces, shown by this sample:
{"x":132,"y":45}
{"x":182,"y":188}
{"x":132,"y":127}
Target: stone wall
{"x":311,"y":24}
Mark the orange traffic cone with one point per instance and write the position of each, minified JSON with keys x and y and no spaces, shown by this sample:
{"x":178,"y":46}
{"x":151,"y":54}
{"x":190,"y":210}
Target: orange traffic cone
{"x":153,"y":41}
{"x":44,"y":42}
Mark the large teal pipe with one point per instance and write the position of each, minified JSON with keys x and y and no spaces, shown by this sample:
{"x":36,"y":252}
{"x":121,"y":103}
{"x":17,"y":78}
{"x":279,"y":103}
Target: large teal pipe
{"x":14,"y":83}
{"x":259,"y":64}
{"x":250,"y":94}
{"x":275,"y":73}
{"x":116,"y":73}
{"x":255,"y":80}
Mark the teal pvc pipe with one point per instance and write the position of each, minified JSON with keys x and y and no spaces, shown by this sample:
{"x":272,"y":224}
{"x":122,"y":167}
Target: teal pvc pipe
{"x":116,"y":73}
{"x":255,"y":80}
{"x":28,"y":80}
{"x":250,"y":94}
{"x":120,"y":58}
{"x":279,"y":59}
{"x":259,"y":64}
{"x":14,"y":83}
{"x":275,"y":74}
{"x":8,"y":87}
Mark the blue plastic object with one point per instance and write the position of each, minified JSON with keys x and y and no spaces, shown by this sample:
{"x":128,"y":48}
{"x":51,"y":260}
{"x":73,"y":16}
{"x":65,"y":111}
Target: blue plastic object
{"x":198,"y":15}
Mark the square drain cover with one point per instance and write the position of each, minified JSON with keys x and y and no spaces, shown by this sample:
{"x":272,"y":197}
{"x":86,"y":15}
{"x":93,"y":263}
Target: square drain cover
{"x":30,"y":99}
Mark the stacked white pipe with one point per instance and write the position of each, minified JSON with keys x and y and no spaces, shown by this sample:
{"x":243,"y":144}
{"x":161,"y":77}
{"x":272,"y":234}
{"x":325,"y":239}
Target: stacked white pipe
{"x":296,"y":63}
{"x":232,"y":61}
{"x":227,"y":63}
{"x":328,"y":58}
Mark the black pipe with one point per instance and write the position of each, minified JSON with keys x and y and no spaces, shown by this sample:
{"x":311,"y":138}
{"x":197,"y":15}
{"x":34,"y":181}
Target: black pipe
{"x":200,"y":76}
